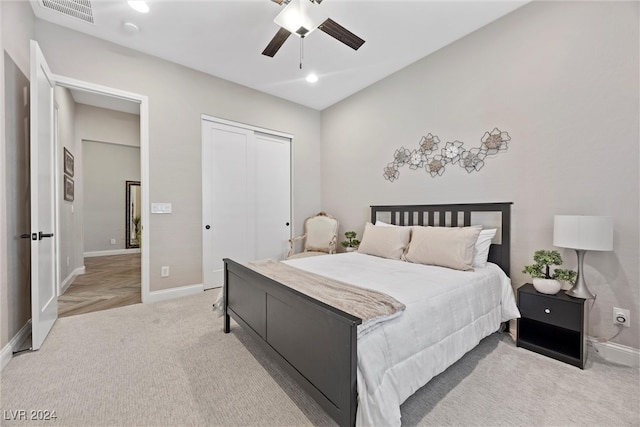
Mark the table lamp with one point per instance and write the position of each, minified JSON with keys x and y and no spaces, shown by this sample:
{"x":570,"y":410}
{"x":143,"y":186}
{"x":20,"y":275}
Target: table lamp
{"x":582,"y":233}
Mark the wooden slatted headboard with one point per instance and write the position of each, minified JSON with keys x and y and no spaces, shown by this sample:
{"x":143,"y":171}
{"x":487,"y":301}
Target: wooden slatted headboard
{"x":453,"y":215}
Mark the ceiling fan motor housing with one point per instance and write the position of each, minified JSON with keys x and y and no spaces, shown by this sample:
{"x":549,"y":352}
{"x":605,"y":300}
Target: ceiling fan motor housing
{"x":301,"y":18}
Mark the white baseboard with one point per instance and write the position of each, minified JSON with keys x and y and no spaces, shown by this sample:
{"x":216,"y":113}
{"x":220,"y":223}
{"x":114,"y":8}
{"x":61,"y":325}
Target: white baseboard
{"x":112,"y":252}
{"x":7,"y":352}
{"x":167,"y":294}
{"x":617,"y":353}
{"x":70,"y":278}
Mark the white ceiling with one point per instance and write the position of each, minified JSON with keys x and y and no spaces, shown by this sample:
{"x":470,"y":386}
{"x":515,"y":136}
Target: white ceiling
{"x":225,"y":38}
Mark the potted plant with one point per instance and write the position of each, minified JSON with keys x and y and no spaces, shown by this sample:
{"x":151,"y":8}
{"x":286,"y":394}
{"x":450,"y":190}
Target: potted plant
{"x":351,"y":243}
{"x":543,"y":279}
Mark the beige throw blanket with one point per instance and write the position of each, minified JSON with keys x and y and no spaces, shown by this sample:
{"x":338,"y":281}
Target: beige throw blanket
{"x":371,"y":306}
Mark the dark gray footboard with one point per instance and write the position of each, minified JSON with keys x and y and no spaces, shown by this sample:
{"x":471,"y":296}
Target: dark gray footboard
{"x":314,"y":342}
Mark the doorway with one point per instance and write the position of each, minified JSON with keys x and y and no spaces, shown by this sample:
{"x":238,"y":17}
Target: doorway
{"x":115,"y":99}
{"x":99,"y":263}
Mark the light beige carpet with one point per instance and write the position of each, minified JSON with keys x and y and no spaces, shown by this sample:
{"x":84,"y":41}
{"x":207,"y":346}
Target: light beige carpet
{"x":169,"y":363}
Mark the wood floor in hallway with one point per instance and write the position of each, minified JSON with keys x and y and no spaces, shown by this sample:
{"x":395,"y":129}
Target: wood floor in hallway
{"x":109,"y":282}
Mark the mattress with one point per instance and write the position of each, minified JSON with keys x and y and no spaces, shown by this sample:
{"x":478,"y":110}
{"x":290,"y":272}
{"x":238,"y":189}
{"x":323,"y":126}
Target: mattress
{"x":447,"y":313}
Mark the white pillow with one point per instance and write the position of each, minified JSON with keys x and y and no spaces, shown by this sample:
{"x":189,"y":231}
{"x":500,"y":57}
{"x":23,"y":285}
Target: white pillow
{"x":384,"y":224}
{"x":385,"y":242}
{"x":451,"y":247}
{"x":482,"y":247}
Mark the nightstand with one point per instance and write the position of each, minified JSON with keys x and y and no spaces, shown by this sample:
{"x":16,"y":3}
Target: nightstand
{"x":553,"y":325}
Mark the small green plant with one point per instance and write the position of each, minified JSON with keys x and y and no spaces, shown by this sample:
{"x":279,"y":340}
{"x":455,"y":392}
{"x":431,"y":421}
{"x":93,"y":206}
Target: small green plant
{"x":543,"y":260}
{"x":137,"y":230}
{"x":351,"y":241}
{"x":568,"y":276}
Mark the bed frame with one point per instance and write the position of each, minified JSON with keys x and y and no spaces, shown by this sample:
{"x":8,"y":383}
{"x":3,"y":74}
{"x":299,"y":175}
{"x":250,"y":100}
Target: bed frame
{"x":314,"y":342}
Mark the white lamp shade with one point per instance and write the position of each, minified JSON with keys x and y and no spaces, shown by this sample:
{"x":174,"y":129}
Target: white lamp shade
{"x":300,"y":13}
{"x":593,"y":233}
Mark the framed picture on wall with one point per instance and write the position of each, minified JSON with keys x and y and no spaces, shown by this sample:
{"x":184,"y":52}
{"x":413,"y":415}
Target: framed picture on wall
{"x":68,"y":189}
{"x":68,"y":162}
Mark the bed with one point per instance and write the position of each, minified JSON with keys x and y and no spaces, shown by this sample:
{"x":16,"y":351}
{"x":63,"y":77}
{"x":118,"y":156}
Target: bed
{"x":363,"y":378}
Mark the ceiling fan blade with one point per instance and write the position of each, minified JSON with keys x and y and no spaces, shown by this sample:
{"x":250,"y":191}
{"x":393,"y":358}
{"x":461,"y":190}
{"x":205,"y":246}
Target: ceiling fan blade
{"x":340,"y":33}
{"x":276,"y":42}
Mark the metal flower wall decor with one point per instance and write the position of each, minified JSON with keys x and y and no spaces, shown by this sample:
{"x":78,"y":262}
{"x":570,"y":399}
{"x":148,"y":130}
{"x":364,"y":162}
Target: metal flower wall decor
{"x":434,"y":160}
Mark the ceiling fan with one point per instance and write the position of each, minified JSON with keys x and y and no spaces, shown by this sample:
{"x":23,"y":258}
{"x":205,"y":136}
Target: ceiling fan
{"x":301,"y":17}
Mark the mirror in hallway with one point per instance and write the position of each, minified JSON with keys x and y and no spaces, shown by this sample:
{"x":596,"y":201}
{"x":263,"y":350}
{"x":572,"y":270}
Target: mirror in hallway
{"x":133,"y":215}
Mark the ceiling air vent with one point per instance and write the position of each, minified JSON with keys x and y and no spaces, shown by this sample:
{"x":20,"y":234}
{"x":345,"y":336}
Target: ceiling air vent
{"x":80,"y":9}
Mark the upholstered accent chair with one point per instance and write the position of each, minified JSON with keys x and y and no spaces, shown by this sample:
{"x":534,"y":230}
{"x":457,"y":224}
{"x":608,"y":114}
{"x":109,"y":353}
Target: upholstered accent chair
{"x":319,"y":238}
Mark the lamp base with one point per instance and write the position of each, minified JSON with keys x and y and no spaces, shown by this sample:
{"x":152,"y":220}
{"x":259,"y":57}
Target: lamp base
{"x":580,"y":290}
{"x":583,"y":293}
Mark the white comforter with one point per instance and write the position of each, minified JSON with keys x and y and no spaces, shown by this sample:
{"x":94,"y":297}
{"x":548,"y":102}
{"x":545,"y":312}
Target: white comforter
{"x":447,"y":313}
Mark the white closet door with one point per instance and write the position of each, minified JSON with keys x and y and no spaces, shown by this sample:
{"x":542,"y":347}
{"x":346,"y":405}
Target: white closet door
{"x":273,"y":196}
{"x":246,"y":197}
{"x":226,"y":201}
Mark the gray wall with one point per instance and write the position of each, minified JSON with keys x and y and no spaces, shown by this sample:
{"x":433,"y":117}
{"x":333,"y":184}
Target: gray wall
{"x":100,"y":124}
{"x":562,"y":79}
{"x":4,"y":279}
{"x":107,"y":167}
{"x":17,"y":196}
{"x":17,"y":27}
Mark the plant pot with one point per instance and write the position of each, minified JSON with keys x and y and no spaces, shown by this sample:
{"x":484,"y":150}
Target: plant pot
{"x":350,"y":249}
{"x":547,"y":286}
{"x":565,"y":286}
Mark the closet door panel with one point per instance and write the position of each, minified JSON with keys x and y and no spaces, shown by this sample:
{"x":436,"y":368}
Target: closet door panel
{"x":229,"y":218}
{"x":273,"y":196}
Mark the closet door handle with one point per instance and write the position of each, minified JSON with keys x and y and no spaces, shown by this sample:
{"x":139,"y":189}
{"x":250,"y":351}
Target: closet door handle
{"x":287,"y":224}
{"x":207,"y":226}
{"x":25,"y":236}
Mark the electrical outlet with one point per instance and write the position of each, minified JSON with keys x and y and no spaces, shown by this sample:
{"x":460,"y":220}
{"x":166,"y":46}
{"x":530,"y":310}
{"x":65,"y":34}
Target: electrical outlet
{"x":621,"y":316}
{"x":164,"y":271}
{"x":68,"y":260}
{"x":113,"y":241}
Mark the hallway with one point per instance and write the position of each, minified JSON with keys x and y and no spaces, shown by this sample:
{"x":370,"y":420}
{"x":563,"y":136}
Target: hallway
{"x":109,"y":282}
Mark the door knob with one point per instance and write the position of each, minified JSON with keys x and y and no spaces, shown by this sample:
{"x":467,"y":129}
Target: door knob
{"x":207,"y":226}
{"x":287,"y":224}
{"x":42,"y":235}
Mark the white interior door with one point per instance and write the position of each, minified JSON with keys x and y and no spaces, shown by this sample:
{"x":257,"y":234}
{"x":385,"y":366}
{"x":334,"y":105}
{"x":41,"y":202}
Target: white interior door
{"x":246,"y":184}
{"x":44,"y":300}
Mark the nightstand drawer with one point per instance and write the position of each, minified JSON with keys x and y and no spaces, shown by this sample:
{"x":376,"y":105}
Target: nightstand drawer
{"x":552,"y":311}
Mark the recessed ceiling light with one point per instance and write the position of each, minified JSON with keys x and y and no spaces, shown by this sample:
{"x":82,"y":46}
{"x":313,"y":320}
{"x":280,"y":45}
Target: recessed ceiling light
{"x":312,"y":78}
{"x":140,"y":6}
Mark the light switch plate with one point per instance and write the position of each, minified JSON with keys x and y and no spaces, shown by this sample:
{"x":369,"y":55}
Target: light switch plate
{"x":161,"y":208}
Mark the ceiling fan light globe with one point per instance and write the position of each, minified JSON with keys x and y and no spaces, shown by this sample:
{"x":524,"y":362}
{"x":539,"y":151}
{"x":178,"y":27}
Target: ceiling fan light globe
{"x":300,"y":14}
